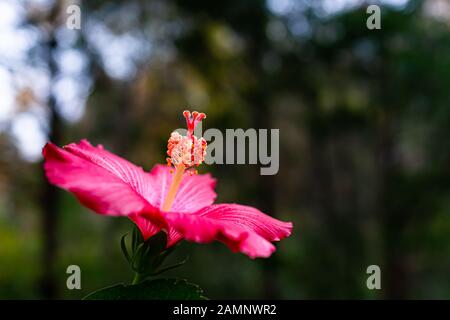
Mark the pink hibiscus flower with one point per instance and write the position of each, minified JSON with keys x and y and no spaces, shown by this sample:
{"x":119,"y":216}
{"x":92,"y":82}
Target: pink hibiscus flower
{"x":175,"y":200}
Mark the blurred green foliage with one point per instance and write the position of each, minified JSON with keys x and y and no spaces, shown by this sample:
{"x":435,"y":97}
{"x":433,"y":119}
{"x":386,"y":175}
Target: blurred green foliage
{"x":363,"y":117}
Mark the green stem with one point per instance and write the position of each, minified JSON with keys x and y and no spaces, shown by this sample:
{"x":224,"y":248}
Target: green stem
{"x":138,"y":277}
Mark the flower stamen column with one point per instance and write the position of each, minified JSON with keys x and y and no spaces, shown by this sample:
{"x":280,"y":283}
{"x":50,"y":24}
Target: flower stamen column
{"x":184,"y":152}
{"x":175,"y":185}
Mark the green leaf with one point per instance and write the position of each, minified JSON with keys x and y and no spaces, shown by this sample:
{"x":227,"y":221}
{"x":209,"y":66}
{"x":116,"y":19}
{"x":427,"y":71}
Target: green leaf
{"x":147,"y":256}
{"x":136,"y":238}
{"x":138,"y":256}
{"x":123,"y":245}
{"x":160,"y":289}
{"x":179,"y":264}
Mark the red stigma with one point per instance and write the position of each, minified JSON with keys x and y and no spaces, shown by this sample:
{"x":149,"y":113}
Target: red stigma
{"x":192,"y":120}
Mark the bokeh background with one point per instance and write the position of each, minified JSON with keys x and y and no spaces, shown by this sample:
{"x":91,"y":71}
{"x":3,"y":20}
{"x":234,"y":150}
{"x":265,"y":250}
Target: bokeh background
{"x":364,"y":126}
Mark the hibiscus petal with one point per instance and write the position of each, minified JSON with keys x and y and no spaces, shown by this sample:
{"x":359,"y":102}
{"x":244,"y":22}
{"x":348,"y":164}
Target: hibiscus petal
{"x":150,"y":222}
{"x":195,"y":192}
{"x":101,"y":180}
{"x":242,"y":228}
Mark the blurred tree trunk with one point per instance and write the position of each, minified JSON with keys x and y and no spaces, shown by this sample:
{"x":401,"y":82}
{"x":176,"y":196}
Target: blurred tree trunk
{"x":49,"y":204}
{"x":393,"y":217}
{"x":50,"y":195}
{"x":259,"y":100}
{"x":266,"y":196}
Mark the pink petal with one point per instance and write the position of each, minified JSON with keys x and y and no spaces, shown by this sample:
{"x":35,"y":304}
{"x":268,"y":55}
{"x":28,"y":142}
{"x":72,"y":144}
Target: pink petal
{"x":150,"y":222}
{"x":101,"y":180}
{"x":196,"y":191}
{"x":242,"y":228}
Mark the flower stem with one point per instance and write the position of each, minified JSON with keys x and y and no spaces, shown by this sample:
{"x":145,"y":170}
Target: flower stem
{"x":137,"y":278}
{"x":176,"y":181}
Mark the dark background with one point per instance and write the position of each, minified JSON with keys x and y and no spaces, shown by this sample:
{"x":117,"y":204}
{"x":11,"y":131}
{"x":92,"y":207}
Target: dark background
{"x":364,"y":137}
